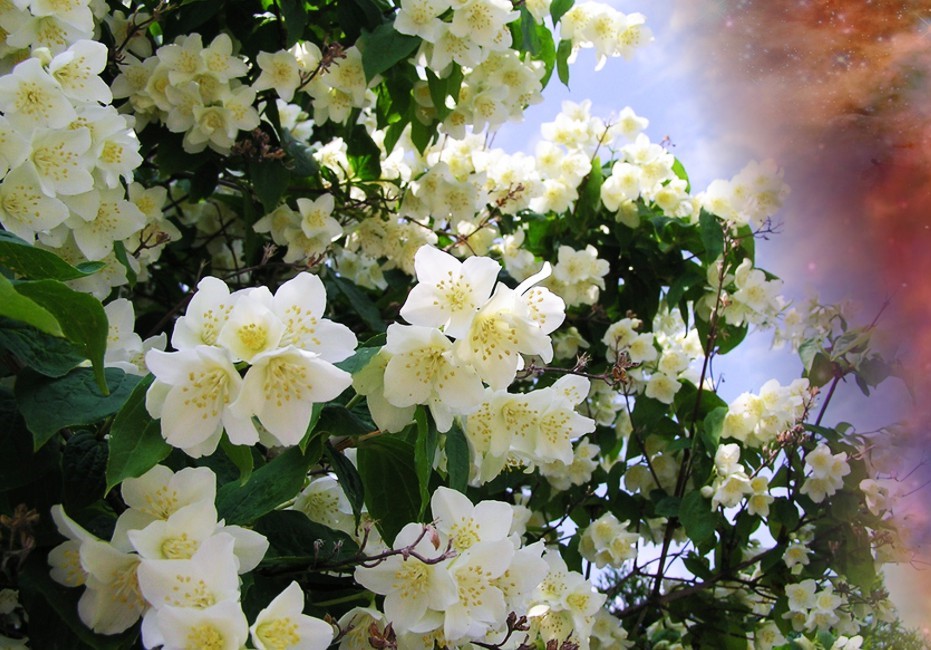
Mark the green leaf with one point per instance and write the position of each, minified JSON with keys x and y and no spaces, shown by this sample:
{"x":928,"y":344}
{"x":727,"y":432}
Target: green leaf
{"x":240,"y":456}
{"x":821,"y":371}
{"x":357,"y":15}
{"x":698,"y":518}
{"x":48,"y":355}
{"x":712,"y":236}
{"x":19,"y":464}
{"x":385,"y":47}
{"x":20,"y":308}
{"x":80,"y":315}
{"x":562,"y":60}
{"x":424,"y":455}
{"x":679,"y":170}
{"x":269,"y":486}
{"x":712,"y":427}
{"x":364,"y":155}
{"x":269,"y":181}
{"x":558,"y":9}
{"x":385,"y":461}
{"x":458,"y":460}
{"x":361,"y":303}
{"x":547,"y":53}
{"x":359,"y":360}
{"x":349,"y":479}
{"x":294,"y":17}
{"x":295,"y":540}
{"x":119,"y":251}
{"x":530,"y":41}
{"x":171,"y":157}
{"x":136,"y":443}
{"x":49,"y":405}
{"x":84,"y":468}
{"x":37,"y":264}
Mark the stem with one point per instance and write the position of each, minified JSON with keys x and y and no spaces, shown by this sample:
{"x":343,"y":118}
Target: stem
{"x":827,"y":400}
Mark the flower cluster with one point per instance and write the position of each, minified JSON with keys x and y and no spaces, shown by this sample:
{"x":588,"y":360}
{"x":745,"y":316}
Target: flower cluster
{"x":610,"y":32}
{"x":749,"y":198}
{"x":827,"y":473}
{"x":288,"y":345}
{"x":192,"y":89}
{"x":173,"y":563}
{"x":645,"y":171}
{"x":490,"y":325}
{"x":527,"y":429}
{"x":466,"y":592}
{"x":607,"y":542}
{"x":756,"y":420}
{"x":476,"y":29}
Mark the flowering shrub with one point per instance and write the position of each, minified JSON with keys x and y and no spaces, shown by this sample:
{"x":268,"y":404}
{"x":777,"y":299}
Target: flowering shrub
{"x":293,"y":359}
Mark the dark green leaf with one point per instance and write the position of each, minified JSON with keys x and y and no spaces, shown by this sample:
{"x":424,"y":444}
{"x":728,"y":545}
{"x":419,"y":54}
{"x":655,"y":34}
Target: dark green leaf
{"x":668,"y":506}
{"x":821,"y":371}
{"x":37,"y":264}
{"x":80,"y":315}
{"x":49,"y":405}
{"x":698,"y":566}
{"x":712,"y":236}
{"x":295,"y":540}
{"x":240,"y":456}
{"x":424,"y":455}
{"x":20,"y":308}
{"x":458,"y":460}
{"x":698,"y":518}
{"x":268,"y":487}
{"x":48,"y":355}
{"x":349,"y":479}
{"x":171,"y":157}
{"x":385,"y":47}
{"x":269,"y":180}
{"x":357,"y":15}
{"x":136,"y":443}
{"x":361,"y":303}
{"x":392,"y":495}
{"x":84,"y":468}
{"x":19,"y":464}
{"x":294,"y":17}
{"x":364,"y":155}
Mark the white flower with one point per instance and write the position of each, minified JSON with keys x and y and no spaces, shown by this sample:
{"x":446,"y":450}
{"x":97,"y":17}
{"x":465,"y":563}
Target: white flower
{"x":194,"y":391}
{"x":467,"y":525}
{"x":283,"y":625}
{"x":449,"y":292}
{"x":30,"y":98}
{"x":77,"y":69}
{"x":422,"y":369}
{"x":509,"y":325}
{"x":208,"y":577}
{"x":280,"y":72}
{"x":205,"y":316}
{"x":25,"y":209}
{"x":112,"y":600}
{"x":414,"y":591}
{"x":220,"y":627}
{"x":281,"y":388}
